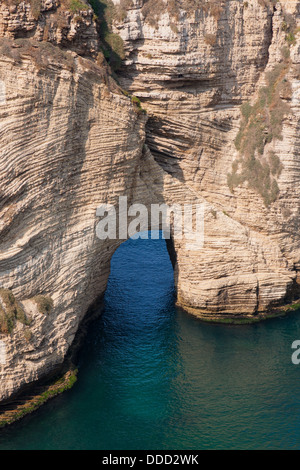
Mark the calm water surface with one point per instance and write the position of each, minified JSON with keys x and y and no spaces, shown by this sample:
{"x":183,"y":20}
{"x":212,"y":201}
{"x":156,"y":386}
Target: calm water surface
{"x":153,"y":377}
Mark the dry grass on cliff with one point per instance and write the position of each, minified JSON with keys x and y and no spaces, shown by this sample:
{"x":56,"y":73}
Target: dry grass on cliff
{"x":42,"y":53}
{"x":74,"y":6}
{"x":122,"y":8}
{"x":210,"y":39}
{"x":152,"y":9}
{"x":259,"y":175}
{"x":7,"y":322}
{"x":10,"y":312}
{"x":263,"y":121}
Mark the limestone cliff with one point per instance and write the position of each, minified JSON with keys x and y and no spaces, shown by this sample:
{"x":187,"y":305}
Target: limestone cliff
{"x":193,"y":70}
{"x":221,"y":85}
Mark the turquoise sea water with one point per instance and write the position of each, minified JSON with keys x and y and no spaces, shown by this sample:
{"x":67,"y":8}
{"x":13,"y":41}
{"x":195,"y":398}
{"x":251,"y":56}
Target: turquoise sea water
{"x":153,"y":377}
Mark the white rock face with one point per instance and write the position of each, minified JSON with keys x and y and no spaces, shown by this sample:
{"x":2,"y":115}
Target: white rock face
{"x":71,"y":141}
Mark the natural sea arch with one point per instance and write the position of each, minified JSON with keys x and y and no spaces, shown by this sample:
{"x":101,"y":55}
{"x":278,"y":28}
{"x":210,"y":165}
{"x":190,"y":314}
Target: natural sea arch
{"x":153,"y":377}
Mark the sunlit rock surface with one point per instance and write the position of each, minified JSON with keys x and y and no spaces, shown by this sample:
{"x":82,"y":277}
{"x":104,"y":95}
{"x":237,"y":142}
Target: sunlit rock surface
{"x":72,"y":140}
